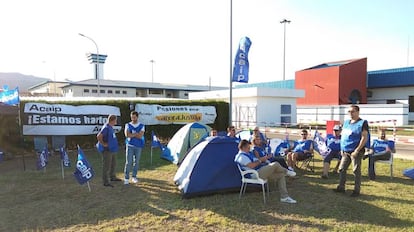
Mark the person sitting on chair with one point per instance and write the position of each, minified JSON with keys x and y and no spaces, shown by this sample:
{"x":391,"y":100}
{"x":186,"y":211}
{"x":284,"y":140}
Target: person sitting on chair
{"x":231,"y":131}
{"x":303,"y":149}
{"x":247,"y":160}
{"x":259,"y":152}
{"x":256,"y":132}
{"x":213,"y":132}
{"x":381,"y":149}
{"x":333,"y":142}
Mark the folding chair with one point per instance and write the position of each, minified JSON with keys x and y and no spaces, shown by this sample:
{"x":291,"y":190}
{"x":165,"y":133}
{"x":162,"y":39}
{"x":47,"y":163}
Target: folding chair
{"x":251,"y":176}
{"x":306,"y":163}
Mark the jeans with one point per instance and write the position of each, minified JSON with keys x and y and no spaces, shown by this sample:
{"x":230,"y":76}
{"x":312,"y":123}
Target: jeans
{"x":132,"y":156}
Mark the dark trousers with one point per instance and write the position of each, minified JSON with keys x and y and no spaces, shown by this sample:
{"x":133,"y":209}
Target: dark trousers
{"x":346,"y":160}
{"x":280,"y":160}
{"x":386,"y":155}
{"x":108,"y":166}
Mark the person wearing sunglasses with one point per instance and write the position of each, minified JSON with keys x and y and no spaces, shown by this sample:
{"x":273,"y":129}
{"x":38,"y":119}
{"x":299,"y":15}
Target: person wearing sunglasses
{"x":354,"y":137}
{"x":303,"y":149}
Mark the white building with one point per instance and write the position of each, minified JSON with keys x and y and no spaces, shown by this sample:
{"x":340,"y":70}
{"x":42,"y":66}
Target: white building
{"x":257,"y":106}
{"x":116,"y":88}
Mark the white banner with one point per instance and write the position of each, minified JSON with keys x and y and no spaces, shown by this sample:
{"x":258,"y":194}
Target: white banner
{"x":157,"y":114}
{"x":58,"y":119}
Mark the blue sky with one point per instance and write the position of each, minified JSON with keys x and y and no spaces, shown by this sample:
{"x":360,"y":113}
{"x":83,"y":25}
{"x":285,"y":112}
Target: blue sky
{"x":189,"y":39}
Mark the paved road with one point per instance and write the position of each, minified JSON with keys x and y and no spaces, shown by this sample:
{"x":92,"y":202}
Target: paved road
{"x":404,"y":150}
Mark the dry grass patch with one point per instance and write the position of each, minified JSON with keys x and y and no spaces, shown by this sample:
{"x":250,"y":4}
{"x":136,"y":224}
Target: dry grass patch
{"x":42,"y":201}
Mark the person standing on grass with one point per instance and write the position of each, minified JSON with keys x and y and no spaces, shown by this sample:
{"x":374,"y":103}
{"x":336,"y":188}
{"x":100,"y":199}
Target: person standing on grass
{"x":247,"y":160}
{"x":134,"y":132}
{"x":107,"y":138}
{"x":354,"y":138}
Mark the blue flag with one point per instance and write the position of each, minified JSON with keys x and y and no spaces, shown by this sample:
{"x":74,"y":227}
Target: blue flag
{"x":320,"y":146}
{"x":155,"y":142}
{"x":10,"y":97}
{"x":83,"y":172}
{"x":241,"y":61}
{"x":42,"y":159}
{"x":64,"y":157}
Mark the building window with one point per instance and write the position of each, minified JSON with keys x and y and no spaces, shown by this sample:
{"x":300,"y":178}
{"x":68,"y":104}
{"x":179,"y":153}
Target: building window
{"x":117,"y":91}
{"x":124,"y":92}
{"x":102,"y":91}
{"x":391,"y":101}
{"x":86,"y":90}
{"x":94,"y":91}
{"x":110,"y":91}
{"x":186,"y":94}
{"x":410,"y":104}
{"x":285,"y":119}
{"x":285,"y":109}
{"x":155,"y":91}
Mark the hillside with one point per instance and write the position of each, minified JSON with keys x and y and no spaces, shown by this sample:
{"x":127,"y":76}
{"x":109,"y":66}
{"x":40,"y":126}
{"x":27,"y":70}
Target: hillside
{"x":22,"y":81}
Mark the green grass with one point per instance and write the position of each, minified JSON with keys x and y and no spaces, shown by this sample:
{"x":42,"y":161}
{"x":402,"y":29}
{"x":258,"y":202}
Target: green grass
{"x":34,"y":200}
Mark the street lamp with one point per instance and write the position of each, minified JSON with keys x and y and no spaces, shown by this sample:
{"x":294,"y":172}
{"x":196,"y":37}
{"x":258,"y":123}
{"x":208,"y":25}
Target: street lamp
{"x":97,"y":62}
{"x":152,"y":70}
{"x":284,"y":21}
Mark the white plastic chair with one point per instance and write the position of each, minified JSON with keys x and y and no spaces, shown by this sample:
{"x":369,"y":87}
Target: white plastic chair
{"x":389,"y":162}
{"x":251,"y":176}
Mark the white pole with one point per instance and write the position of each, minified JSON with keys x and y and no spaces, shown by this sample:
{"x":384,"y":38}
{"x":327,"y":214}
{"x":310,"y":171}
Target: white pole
{"x":63,"y":170}
{"x":231,"y":62}
{"x":151,"y":155}
{"x":284,"y":21}
{"x":97,"y":61}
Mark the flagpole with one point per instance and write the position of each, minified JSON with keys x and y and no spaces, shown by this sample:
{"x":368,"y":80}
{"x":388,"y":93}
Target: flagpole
{"x":151,"y":154}
{"x":63,"y":171}
{"x":231,"y":57}
{"x":21,"y":134}
{"x":89,"y":186}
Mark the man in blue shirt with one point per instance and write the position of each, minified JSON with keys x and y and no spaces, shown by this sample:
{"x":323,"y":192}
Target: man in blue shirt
{"x":303,"y":149}
{"x":381,"y":149}
{"x":333,"y":142}
{"x":107,"y":138}
{"x":134,"y":132}
{"x":247,"y":160}
{"x":353,"y":141}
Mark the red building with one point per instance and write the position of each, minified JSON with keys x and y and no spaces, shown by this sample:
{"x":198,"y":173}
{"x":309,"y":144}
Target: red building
{"x":334,"y":83}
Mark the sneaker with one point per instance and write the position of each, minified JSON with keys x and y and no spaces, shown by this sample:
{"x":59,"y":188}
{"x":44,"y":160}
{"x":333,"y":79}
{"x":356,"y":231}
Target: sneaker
{"x":108,"y":185}
{"x":134,"y":180}
{"x":290,"y":169}
{"x":126,"y":181}
{"x":287,"y":200}
{"x":290,"y":173}
{"x":115,"y":179}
